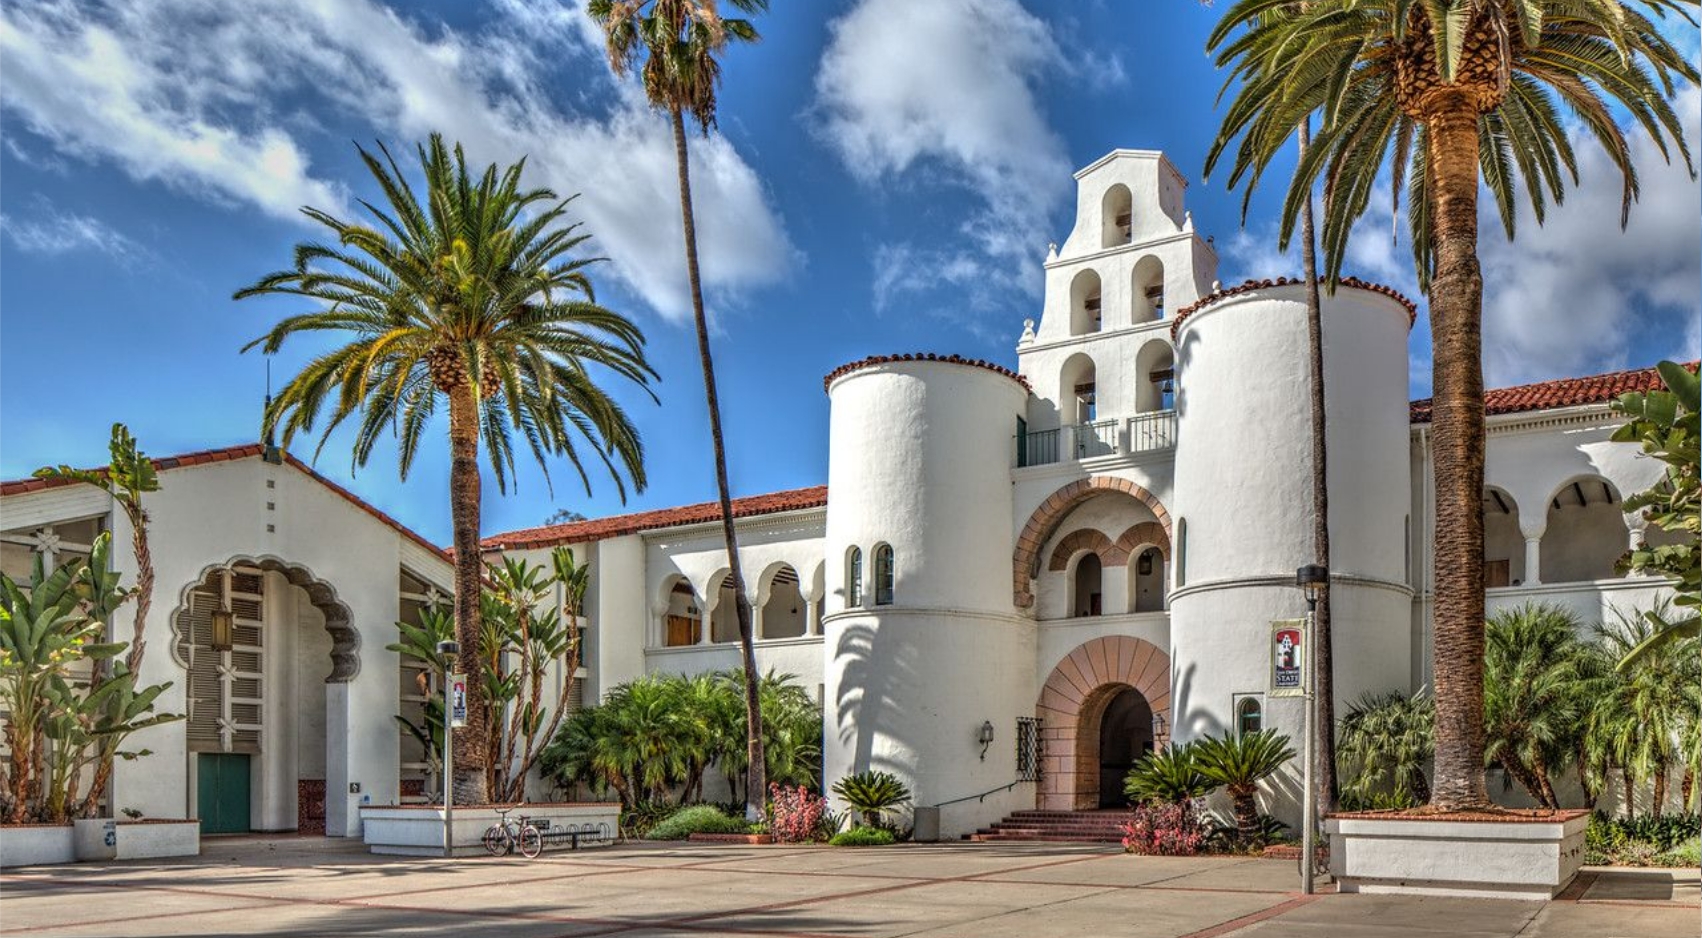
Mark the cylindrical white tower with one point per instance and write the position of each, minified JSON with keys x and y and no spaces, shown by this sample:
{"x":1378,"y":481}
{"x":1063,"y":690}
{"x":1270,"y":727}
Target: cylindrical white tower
{"x":919,"y":461}
{"x":1244,"y":495}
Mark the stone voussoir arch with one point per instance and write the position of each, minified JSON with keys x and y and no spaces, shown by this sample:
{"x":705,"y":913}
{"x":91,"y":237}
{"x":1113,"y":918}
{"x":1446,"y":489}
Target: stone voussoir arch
{"x":1025,"y":563}
{"x":1089,"y":539}
{"x":1072,"y":701}
{"x":345,"y":640}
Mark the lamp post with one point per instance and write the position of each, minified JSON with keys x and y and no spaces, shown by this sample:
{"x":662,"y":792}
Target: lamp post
{"x":447,"y":651}
{"x":1313,"y":580}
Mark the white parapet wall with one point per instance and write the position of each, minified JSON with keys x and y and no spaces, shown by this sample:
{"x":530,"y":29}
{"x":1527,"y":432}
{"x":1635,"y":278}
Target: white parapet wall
{"x":36,"y":844}
{"x":1529,"y":857}
{"x":417,"y":831}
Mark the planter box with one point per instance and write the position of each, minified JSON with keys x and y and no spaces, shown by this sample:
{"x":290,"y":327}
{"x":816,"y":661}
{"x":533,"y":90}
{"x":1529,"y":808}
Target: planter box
{"x":150,"y":839}
{"x":417,"y":830}
{"x":1492,"y":855}
{"x":731,"y":838}
{"x":33,"y":844}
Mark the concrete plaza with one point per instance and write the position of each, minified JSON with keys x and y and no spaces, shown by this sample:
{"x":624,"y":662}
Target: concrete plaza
{"x":311,"y":886}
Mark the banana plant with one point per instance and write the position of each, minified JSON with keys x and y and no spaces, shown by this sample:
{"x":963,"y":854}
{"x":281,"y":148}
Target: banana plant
{"x":1665,"y":423}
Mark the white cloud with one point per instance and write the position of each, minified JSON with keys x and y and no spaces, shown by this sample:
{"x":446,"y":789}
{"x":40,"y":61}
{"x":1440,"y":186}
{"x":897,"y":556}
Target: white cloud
{"x":52,"y":232}
{"x":1572,"y":295}
{"x":947,"y":86}
{"x":208,"y":96}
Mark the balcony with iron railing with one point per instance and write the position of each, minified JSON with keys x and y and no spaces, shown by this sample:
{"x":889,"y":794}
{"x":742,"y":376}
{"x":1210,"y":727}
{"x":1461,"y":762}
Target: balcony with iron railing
{"x":1151,"y":432}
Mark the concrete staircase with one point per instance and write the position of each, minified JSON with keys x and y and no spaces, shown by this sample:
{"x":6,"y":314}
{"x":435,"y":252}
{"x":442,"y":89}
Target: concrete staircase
{"x":1101,"y":826}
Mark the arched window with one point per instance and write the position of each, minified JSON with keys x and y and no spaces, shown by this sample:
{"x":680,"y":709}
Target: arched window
{"x":1085,"y":303}
{"x":1088,"y":600}
{"x":1249,"y":716}
{"x":854,"y":578}
{"x":1116,"y":217}
{"x":1181,"y":573}
{"x":883,"y":575}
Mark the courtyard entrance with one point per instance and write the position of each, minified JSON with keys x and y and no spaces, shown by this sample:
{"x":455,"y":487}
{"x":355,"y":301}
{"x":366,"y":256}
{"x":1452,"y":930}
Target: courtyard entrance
{"x":1104,"y":706}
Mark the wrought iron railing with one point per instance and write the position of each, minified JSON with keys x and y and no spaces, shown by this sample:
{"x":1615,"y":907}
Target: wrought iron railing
{"x":1154,"y":431}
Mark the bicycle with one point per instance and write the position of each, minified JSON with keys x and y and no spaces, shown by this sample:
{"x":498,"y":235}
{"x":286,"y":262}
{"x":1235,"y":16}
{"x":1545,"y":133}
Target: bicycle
{"x":505,"y":835}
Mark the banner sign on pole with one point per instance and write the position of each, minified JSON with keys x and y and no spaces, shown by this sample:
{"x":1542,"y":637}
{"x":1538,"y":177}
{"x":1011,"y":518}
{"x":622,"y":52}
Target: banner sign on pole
{"x":457,"y":700}
{"x":1288,"y":658}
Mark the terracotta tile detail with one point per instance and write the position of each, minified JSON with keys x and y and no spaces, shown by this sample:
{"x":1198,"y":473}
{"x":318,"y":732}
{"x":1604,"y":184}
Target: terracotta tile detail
{"x":1567,"y":392}
{"x":1090,"y":539}
{"x":1104,"y":663}
{"x":597,"y":529}
{"x":1145,"y":533}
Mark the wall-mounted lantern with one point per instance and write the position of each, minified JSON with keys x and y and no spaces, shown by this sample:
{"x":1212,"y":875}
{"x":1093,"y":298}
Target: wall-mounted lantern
{"x":224,"y":629}
{"x":985,"y":737}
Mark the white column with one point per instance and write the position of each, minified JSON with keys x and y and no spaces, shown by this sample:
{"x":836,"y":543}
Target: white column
{"x":1636,"y":530}
{"x":1533,"y":560}
{"x":812,"y":624}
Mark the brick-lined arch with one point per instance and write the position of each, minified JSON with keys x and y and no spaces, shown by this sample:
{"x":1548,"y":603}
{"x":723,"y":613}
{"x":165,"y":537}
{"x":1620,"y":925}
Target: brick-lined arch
{"x":1086,"y":539}
{"x":1074,"y":699}
{"x":1146,"y":533}
{"x":1025,"y":563}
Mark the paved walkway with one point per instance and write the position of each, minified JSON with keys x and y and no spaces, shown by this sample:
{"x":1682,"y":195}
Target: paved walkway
{"x":311,"y":886}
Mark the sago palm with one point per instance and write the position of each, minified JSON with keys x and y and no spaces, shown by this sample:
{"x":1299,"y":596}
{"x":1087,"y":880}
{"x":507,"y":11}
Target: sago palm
{"x":1647,"y":708}
{"x":872,"y":792}
{"x":1437,"y":92}
{"x":1239,"y":762}
{"x":470,"y":297}
{"x":674,"y":46}
{"x":1387,"y":740}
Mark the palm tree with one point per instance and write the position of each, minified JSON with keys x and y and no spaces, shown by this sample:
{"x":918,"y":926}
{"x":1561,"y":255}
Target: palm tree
{"x":1539,"y":684}
{"x":1436,"y":90}
{"x":470,"y":297}
{"x":1389,"y":738}
{"x":678,"y":42}
{"x":1646,"y":712}
{"x":1239,"y":762}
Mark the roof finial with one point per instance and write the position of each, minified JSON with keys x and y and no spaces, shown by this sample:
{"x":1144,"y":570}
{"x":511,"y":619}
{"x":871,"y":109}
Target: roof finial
{"x":268,"y":438}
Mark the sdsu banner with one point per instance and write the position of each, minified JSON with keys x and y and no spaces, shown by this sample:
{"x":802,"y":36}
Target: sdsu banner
{"x":1288,"y":652}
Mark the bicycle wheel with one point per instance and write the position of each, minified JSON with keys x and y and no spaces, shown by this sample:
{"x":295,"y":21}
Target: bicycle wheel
{"x":497,"y":841}
{"x":531,"y":841}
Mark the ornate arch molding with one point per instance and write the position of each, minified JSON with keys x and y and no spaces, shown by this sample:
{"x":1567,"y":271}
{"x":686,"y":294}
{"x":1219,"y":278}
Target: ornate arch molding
{"x":1145,"y":534}
{"x":345,"y":641}
{"x":1073,"y":700}
{"x":1025,"y":563}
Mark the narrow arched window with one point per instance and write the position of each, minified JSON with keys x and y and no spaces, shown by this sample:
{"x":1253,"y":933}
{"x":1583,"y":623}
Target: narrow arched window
{"x":1249,"y":716}
{"x":883,"y":575}
{"x":854,"y":578}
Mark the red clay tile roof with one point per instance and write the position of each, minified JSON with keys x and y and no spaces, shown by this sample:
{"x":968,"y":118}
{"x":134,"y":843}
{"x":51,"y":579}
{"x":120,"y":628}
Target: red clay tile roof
{"x":1566,"y":392}
{"x":597,"y":529}
{"x":231,"y":454}
{"x":1251,"y":285}
{"x":846,"y":369}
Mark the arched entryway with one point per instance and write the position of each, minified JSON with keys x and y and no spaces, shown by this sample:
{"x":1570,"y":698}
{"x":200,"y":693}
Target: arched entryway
{"x":264,"y":644}
{"x":1125,"y":737}
{"x":1097,"y":712}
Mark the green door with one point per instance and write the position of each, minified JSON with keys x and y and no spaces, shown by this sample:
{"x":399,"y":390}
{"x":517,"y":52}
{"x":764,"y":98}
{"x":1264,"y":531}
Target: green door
{"x":222,"y":792}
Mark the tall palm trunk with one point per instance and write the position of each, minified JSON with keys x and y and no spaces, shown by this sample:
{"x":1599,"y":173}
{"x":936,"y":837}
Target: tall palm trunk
{"x":1660,"y":789}
{"x":471,"y":743}
{"x":1323,"y":646}
{"x":756,"y":783}
{"x":1456,"y":338}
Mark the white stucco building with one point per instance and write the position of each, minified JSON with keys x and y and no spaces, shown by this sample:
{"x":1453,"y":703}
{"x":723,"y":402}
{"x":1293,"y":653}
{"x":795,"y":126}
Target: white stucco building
{"x":1086,"y":552}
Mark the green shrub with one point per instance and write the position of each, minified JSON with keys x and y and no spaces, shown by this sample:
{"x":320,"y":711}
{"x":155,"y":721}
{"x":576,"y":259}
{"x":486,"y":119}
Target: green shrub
{"x":697,"y":819}
{"x":1171,"y":775}
{"x":863,"y":837}
{"x":1689,"y":854}
{"x":637,"y":820}
{"x":1670,"y":840}
{"x":870,"y":793}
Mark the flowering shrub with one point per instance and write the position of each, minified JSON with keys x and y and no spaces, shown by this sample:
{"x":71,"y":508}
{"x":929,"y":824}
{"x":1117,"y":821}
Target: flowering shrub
{"x":1168,"y":829}
{"x":794,"y":814}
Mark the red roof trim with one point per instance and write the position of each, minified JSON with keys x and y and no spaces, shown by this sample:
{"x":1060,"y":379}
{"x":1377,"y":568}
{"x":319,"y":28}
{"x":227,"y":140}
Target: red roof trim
{"x":232,"y":454}
{"x":1251,"y":285}
{"x":1565,"y":392}
{"x":597,"y":529}
{"x":874,"y":360}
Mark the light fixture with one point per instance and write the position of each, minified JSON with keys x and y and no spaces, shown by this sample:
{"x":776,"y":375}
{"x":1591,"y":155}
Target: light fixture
{"x":985,"y":737}
{"x":1159,"y":728}
{"x":1313,"y":580}
{"x":224,"y":628}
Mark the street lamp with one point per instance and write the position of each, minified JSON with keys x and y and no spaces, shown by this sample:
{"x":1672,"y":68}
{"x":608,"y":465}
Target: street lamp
{"x":447,"y":651}
{"x":1313,"y":580}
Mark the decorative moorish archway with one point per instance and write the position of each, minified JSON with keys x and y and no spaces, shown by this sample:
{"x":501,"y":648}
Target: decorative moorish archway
{"x":1072,"y":703}
{"x":1025,"y":563}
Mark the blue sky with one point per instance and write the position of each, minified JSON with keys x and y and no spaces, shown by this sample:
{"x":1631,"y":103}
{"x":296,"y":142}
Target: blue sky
{"x":885,"y":178}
